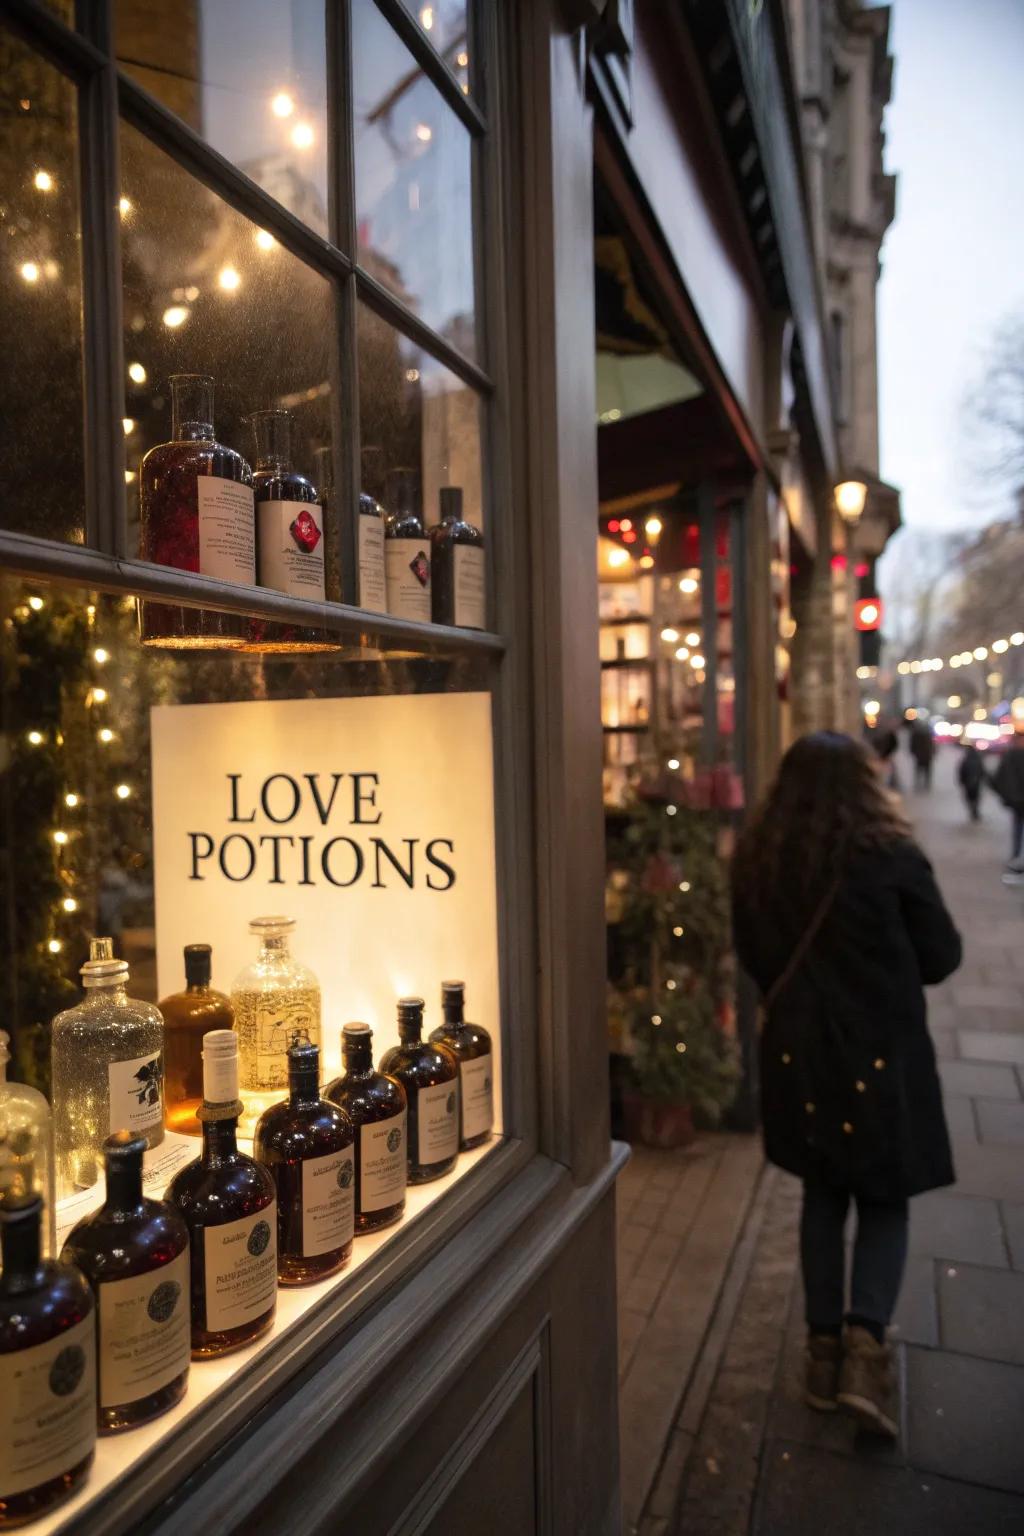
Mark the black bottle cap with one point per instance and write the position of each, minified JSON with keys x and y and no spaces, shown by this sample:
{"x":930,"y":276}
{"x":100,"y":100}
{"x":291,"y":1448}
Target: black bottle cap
{"x":123,"y":1148}
{"x":410,"y":1017}
{"x":451,"y":503}
{"x":198,"y":964}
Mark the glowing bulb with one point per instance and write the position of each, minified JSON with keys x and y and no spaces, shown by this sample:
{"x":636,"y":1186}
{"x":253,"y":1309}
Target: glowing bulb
{"x":903,"y":668}
{"x":303,"y":136}
{"x":677,"y":931}
{"x":681,"y":1046}
{"x":981,"y":714}
{"x":684,"y":885}
{"x":655,"y":1018}
{"x":229,"y":279}
{"x":871,"y":706}
{"x":1018,"y":638}
{"x":129,"y":476}
{"x":412,"y":375}
{"x":35,"y":603}
{"x":653,"y":527}
{"x":100,"y":656}
{"x":71,"y":801}
{"x":69,"y":904}
{"x":30,"y":271}
{"x":427,"y":17}
{"x":55,"y":946}
{"x":35,"y":738}
{"x":124,"y":207}
{"x":999,"y":646}
{"x":424,"y":132}
{"x":673,"y":763}
{"x":980,"y":652}
{"x":265,"y":240}
{"x":670,"y":985}
{"x":282,"y":104}
{"x":670,"y":810}
{"x":136,"y":373}
{"x":123,"y":791}
{"x":128,"y":424}
{"x":682,"y":652}
{"x":462,"y":59}
{"x":99,"y":695}
{"x":688,"y":585}
{"x":176,"y":315}
{"x":954,"y":701}
{"x":670,"y":635}
{"x":646,"y":562}
{"x":617,"y":557}
{"x":60,"y":838}
{"x":697,"y":663}
{"x":693,"y":638}
{"x":625,"y":525}
{"x":42,"y":181}
{"x":106,"y":734}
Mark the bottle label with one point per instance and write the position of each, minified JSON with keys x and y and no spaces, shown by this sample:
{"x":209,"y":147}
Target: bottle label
{"x":328,"y":1202}
{"x":227,"y":540}
{"x":265,"y":1022}
{"x":145,"y":1332}
{"x":468,"y":581}
{"x":47,"y":1408}
{"x":136,"y":1095}
{"x":372,"y":585}
{"x":240,"y":1269}
{"x":438,"y":1110}
{"x":382,"y":1163}
{"x":476,"y":1081}
{"x":291,"y":547}
{"x":407,"y":564}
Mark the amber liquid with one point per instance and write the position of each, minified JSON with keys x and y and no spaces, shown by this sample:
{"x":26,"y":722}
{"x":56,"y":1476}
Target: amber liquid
{"x":418,"y":1065}
{"x":187,"y":1017}
{"x":366,"y":1095}
{"x":469,"y":1042}
{"x":304,"y":1126}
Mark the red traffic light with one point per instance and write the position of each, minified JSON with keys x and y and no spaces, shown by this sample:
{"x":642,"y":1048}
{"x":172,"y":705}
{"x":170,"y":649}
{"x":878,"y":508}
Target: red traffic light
{"x":867,"y":614}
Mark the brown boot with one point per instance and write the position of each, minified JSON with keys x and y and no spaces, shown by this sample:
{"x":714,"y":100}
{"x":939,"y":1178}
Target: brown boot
{"x":867,"y":1382}
{"x":822,"y":1358}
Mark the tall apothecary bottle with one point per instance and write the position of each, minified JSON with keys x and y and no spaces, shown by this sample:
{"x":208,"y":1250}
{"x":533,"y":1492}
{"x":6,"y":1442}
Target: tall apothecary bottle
{"x":376,"y":1105}
{"x":458,"y":594}
{"x":429,"y":1073}
{"x":196,"y":506}
{"x":106,"y":1066}
{"x":187,"y":1017}
{"x":471,"y":1044}
{"x":273,"y":999}
{"x":26,"y":1146}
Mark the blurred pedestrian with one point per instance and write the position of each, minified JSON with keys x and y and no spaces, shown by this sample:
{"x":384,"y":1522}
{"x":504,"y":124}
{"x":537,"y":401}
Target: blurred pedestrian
{"x":838,"y":919}
{"x":886,"y":744}
{"x":922,"y":750}
{"x":971,"y":774}
{"x":1008,"y":783}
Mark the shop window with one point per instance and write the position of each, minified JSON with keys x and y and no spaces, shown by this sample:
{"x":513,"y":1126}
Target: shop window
{"x":444,"y":24}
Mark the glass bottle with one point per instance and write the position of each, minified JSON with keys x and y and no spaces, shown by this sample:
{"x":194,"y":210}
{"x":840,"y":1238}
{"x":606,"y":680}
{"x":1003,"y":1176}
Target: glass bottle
{"x":472,"y":1045}
{"x":187,"y":1017}
{"x":196,"y":509}
{"x":373,"y":592}
{"x":106,"y":1067}
{"x":376,"y":1105}
{"x":429,"y":1073}
{"x":289,"y":536}
{"x":306,"y":1144}
{"x":47,"y":1370}
{"x":406,"y":548}
{"x":134,"y":1253}
{"x":274,"y":998}
{"x":26,"y":1146}
{"x":457,"y":566}
{"x":228,"y":1204}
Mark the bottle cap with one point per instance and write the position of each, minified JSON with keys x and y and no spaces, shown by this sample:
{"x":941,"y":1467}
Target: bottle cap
{"x":358,"y":1034}
{"x":268,"y":927}
{"x":303,"y":1055}
{"x":198,"y":964}
{"x":453,"y":989}
{"x":101,"y":968}
{"x":451,"y":502}
{"x":123,"y":1147}
{"x":220,"y":1066}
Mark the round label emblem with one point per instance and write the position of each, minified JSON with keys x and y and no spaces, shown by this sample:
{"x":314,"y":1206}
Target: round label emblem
{"x":163,"y":1301}
{"x":394,"y":1140}
{"x":346,"y":1173}
{"x":67,"y":1370}
{"x":449,"y":1103}
{"x":259,"y":1237}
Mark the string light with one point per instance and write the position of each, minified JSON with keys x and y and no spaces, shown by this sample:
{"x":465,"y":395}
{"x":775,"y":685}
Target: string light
{"x":175,"y":315}
{"x":681,"y":1046}
{"x":670,"y":810}
{"x":693,"y":638}
{"x":128,"y":424}
{"x":673,"y":763}
{"x":282,"y":104}
{"x":42,"y":181}
{"x":30,"y":271}
{"x":60,"y":838}
{"x":265,"y":240}
{"x":684,"y":885}
{"x":303,"y":135}
{"x":36,"y":604}
{"x":100,"y":655}
{"x":99,"y":695}
{"x":670,"y":984}
{"x":105,"y":735}
{"x":682,"y":653}
{"x":655,"y":1018}
{"x":69,"y":904}
{"x":55,"y":946}
{"x":35,"y":738}
{"x":697,"y":662}
{"x":688,"y":585}
{"x":123,"y":791}
{"x":677,"y":932}
{"x":961,"y":658}
{"x":229,"y":279}
{"x":136,"y":373}
{"x":124,"y":207}
{"x":670,"y":635}
{"x":71,"y":800}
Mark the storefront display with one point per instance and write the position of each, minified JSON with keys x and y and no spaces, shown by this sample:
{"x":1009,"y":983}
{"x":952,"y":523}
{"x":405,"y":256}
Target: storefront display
{"x":377,"y":1109}
{"x":472,"y":1047}
{"x":430,"y":1076}
{"x":271,"y":999}
{"x":456,"y":566}
{"x":26,"y":1145}
{"x":187,"y":1016}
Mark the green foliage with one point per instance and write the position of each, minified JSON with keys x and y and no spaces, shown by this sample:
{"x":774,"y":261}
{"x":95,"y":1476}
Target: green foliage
{"x":686,"y":1057}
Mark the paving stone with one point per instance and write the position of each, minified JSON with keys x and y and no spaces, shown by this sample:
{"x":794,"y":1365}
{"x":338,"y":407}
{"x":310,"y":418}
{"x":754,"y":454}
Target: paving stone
{"x":1001,"y":1123}
{"x":979,"y":1081}
{"x":966,"y":996}
{"x":981,"y":1312}
{"x":954,"y":1226}
{"x":964,"y":1419}
{"x":670,"y":1478}
{"x":944,"y":1040}
{"x":916,"y":1320}
{"x":960,"y":1117}
{"x":991,"y":1045}
{"x":991,"y":1170}
{"x":1013,"y":1222}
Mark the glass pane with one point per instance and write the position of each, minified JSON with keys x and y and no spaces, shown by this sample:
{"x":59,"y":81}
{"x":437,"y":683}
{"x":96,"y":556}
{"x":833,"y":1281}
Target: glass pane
{"x":444,"y":23}
{"x":414,"y":191}
{"x":207,"y":292}
{"x":250,"y":77}
{"x":41,"y":437}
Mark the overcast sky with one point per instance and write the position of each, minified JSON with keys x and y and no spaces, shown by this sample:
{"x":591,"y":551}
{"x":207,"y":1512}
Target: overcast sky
{"x":953,"y":262}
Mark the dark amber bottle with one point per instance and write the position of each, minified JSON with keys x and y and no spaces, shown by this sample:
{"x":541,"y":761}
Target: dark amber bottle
{"x":228,"y":1203}
{"x":376,"y":1105}
{"x":134,"y":1253}
{"x":306,"y":1145}
{"x":188,"y":1016}
{"x":472,"y":1045}
{"x":47,"y":1370}
{"x":457,"y":592}
{"x":429,"y":1074}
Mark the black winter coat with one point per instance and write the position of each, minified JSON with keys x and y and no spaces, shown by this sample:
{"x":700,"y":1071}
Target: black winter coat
{"x":1008,"y":779}
{"x":850,"y":1095}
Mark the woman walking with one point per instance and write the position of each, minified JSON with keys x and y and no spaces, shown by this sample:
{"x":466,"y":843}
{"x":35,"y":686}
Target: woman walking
{"x":839,"y":921}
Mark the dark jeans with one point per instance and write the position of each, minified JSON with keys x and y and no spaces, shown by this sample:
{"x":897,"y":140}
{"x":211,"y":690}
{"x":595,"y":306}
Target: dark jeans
{"x":1016,"y":833}
{"x":879,"y":1254}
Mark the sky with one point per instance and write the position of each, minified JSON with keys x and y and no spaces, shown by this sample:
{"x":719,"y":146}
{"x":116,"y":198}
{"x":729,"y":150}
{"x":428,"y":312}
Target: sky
{"x":953,"y":262}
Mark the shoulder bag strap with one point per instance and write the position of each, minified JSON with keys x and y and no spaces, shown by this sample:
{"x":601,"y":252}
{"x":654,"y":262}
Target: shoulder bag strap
{"x":807,"y":938}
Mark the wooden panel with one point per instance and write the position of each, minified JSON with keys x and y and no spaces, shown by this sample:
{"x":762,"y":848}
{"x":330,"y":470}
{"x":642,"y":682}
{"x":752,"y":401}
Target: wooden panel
{"x":498,"y":1491}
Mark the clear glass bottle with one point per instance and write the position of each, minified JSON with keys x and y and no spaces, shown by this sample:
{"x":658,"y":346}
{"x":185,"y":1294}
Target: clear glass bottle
{"x":134,"y":1253}
{"x":187,"y":1017}
{"x":106,"y":1067}
{"x":429,"y":1073}
{"x":196,"y":509}
{"x":376,"y":1105}
{"x":472,"y":1045}
{"x":457,"y":588}
{"x":228,"y":1204}
{"x":26,"y":1146}
{"x":273,"y":999}
{"x":406,"y":548}
{"x":306,"y":1144}
{"x":290,"y":544}
{"x":47,"y":1370}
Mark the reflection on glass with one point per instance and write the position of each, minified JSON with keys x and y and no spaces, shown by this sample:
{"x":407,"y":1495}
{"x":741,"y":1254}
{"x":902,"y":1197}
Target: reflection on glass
{"x":40,"y":299}
{"x":443,"y":22}
{"x":204,"y":293}
{"x":416,"y":414}
{"x":414,"y":198}
{"x":249,"y":77}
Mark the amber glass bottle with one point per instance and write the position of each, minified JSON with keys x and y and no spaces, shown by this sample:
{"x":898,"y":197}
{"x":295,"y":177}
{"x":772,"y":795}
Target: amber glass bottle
{"x":228,"y":1204}
{"x":429,"y":1074}
{"x":47,"y":1370}
{"x":376,"y":1106}
{"x":472,"y":1046}
{"x":134,"y":1253}
{"x":188,"y":1016}
{"x":457,"y":566}
{"x":306,"y":1144}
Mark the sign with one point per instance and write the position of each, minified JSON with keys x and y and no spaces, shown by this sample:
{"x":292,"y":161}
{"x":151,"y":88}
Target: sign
{"x":368,"y":820}
{"x":867,"y":614}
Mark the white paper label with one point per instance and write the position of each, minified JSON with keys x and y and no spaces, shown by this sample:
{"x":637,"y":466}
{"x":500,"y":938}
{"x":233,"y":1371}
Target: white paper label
{"x":382,"y":1163}
{"x":438,"y":1110}
{"x":145,"y":1332}
{"x":241,"y":1269}
{"x":328,"y":1202}
{"x":468,"y":577}
{"x":407,"y":563}
{"x":476,"y":1081}
{"x":136,"y":1095}
{"x":291,"y":548}
{"x":47,"y":1408}
{"x":372,"y":584}
{"x":227,"y":540}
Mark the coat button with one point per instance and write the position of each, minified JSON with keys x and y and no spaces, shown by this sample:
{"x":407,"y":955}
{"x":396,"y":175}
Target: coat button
{"x":847,"y":1127}
{"x":786,"y":1058}
{"x":879,"y":1063}
{"x":809,"y":1108}
{"x":860,"y":1086}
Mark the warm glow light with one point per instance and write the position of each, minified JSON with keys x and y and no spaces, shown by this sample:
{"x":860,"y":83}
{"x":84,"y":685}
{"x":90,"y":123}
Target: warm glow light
{"x":129,"y":476}
{"x":424,"y":132}
{"x":124,"y":207}
{"x":646,"y":562}
{"x":1017,"y":709}
{"x":617,"y":557}
{"x":871,"y":706}
{"x":869,"y":613}
{"x":681,"y":1047}
{"x":69,"y":904}
{"x":954,"y":701}
{"x":693,"y":638}
{"x":128,"y":424}
{"x":462,"y":59}
{"x":697,"y":663}
{"x":35,"y":603}
{"x":652,"y":528}
{"x":655,"y":1018}
{"x":994,"y":679}
{"x":673,"y":763}
{"x":30,"y":271}
{"x":670,"y":810}
{"x":100,"y":655}
{"x":71,"y":800}
{"x":412,"y":375}
{"x":670,"y":635}
{"x":303,"y":135}
{"x":106,"y":734}
{"x":282,"y":104}
{"x":678,"y":932}
{"x":980,"y":713}
{"x":35,"y":738}
{"x":980,"y":652}
{"x":684,"y":885}
{"x":265,"y":240}
{"x":915,"y":667}
{"x":427,"y":17}
{"x":955,"y":661}
{"x":99,"y":695}
{"x":42,"y":181}
{"x":1018,"y":638}
{"x":850,"y":498}
{"x":863,"y":673}
{"x":682,"y":653}
{"x":999,"y":646}
{"x":177,"y":314}
{"x":136,"y":373}
{"x":229,"y":279}
{"x":55,"y":946}
{"x":688,"y":584}
{"x":670,"y":985}
{"x":123,"y":791}
{"x":60,"y":838}
{"x":625,"y":525}
{"x":903,"y":668}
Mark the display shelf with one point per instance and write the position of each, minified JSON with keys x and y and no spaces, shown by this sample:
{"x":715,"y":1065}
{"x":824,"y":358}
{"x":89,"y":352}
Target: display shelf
{"x":123,"y":1455}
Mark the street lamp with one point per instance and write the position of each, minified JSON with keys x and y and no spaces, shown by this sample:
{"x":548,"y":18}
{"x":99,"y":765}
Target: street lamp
{"x":850,"y":496}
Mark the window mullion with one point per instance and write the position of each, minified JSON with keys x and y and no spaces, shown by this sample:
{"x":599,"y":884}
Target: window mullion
{"x":345,"y":416}
{"x":433,"y":66}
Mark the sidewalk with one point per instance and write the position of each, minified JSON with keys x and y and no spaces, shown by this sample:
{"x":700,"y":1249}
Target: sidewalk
{"x":745,"y":1457}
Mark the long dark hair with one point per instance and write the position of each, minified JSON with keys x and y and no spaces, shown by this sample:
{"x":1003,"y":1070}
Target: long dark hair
{"x":827,"y":802}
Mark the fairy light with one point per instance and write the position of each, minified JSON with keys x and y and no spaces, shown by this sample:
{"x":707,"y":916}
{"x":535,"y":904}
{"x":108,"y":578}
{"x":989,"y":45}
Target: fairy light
{"x":30,"y":271}
{"x":677,"y":932}
{"x":229,"y":279}
{"x":688,"y":585}
{"x":282,"y":104}
{"x":35,"y":738}
{"x":999,"y":646}
{"x":265,"y":240}
{"x":69,"y":904}
{"x":681,"y":1047}
{"x":693,"y":638}
{"x":99,"y":695}
{"x":697,"y":663}
{"x":175,"y":315}
{"x":60,"y":838}
{"x":105,"y":735}
{"x":124,"y":206}
{"x":684,"y":886}
{"x":100,"y":655}
{"x":670,"y":984}
{"x":303,"y":136}
{"x":123,"y":791}
{"x":137,"y":373}
{"x":43,"y":181}
{"x":670,"y":635}
{"x":670,"y":810}
{"x":71,"y":800}
{"x":682,"y":653}
{"x":55,"y":946}
{"x":36,"y":604}
{"x":673,"y":763}
{"x":655,"y":1019}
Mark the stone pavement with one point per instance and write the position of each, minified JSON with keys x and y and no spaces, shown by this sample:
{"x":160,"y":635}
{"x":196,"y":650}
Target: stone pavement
{"x":744,"y":1457}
